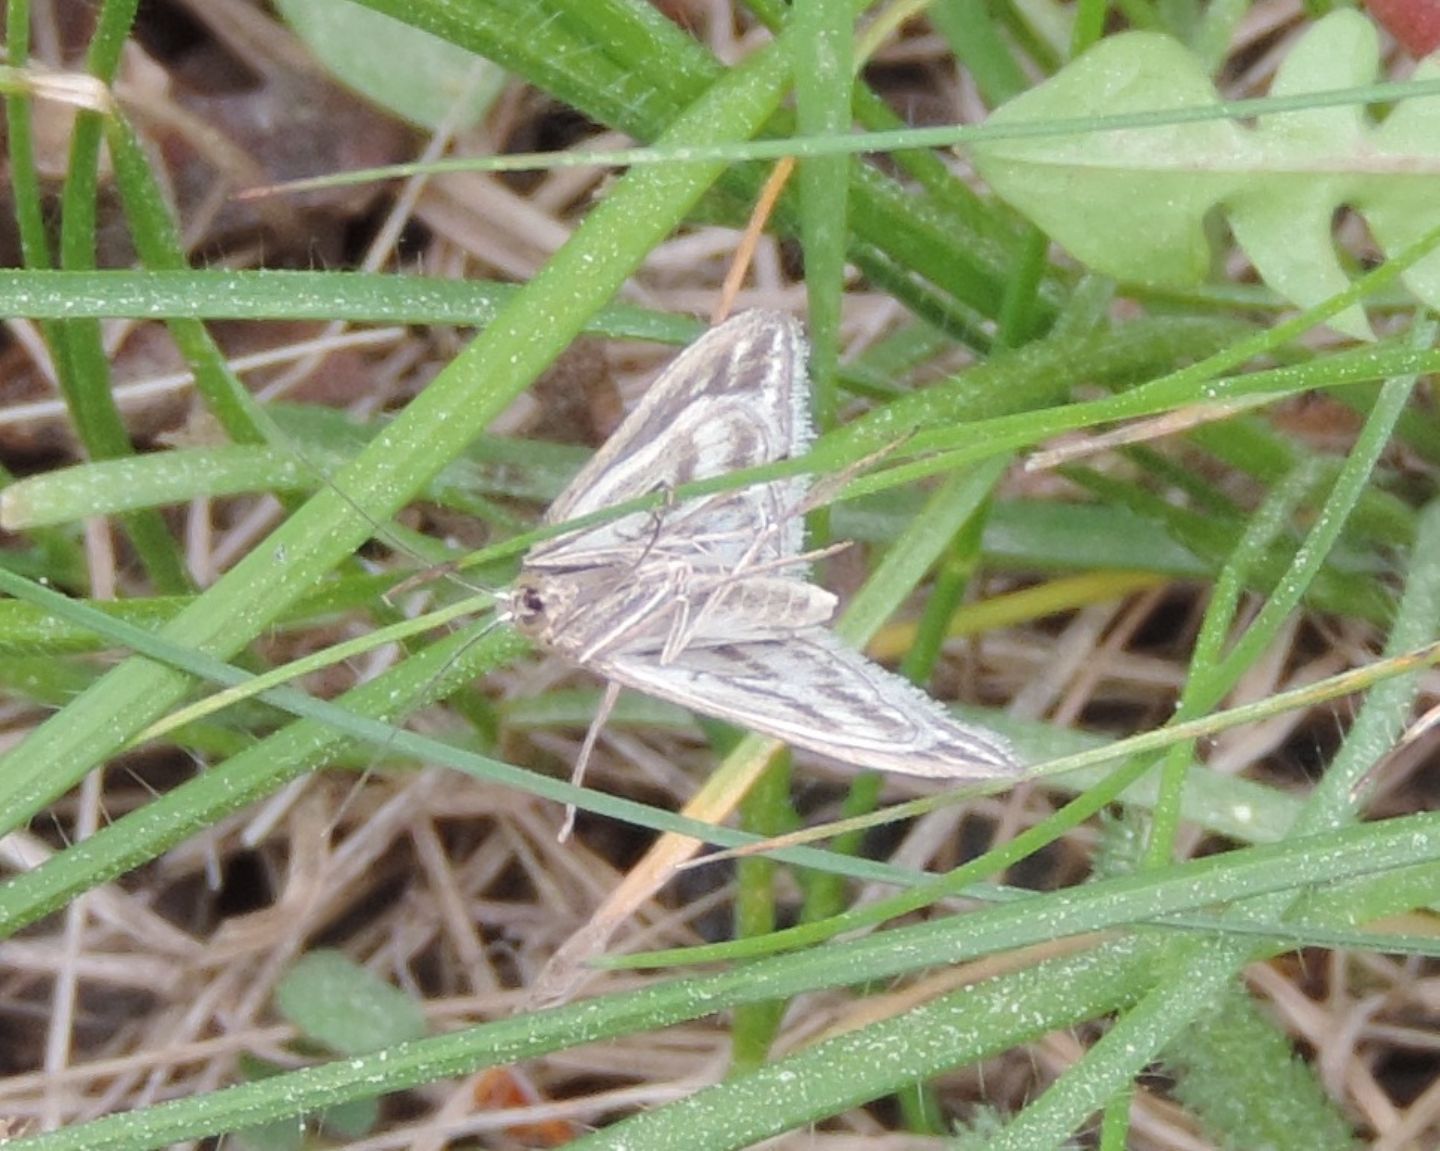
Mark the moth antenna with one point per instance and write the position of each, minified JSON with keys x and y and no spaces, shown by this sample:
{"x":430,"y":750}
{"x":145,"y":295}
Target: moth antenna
{"x":450,"y":570}
{"x":384,"y":749}
{"x":381,"y":531}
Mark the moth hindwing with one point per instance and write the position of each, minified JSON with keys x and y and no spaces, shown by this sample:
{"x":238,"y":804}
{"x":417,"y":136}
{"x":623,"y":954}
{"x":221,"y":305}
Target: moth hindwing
{"x":705,"y":602}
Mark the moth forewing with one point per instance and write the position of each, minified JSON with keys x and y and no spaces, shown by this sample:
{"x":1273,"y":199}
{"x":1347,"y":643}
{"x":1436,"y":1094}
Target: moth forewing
{"x":731,"y":400}
{"x":747,"y":369}
{"x":704,"y":602}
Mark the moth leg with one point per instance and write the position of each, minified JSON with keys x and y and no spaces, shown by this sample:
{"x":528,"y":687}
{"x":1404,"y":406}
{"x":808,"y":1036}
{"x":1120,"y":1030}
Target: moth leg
{"x":687,"y":624}
{"x":783,"y":511}
{"x":683,"y":622}
{"x":827,"y":488}
{"x":592,"y":734}
{"x":667,"y":503}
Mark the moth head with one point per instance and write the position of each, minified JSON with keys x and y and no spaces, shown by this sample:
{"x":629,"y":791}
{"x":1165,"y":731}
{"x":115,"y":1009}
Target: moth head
{"x":527,"y":608}
{"x":538,"y":605}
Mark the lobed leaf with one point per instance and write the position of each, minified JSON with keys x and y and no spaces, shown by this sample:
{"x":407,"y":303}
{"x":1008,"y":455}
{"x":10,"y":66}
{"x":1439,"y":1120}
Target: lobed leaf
{"x":1132,"y":202}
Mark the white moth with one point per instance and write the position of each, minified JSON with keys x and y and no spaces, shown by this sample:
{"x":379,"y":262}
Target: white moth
{"x":704,"y":602}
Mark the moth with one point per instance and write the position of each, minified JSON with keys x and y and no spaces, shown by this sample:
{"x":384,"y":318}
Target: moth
{"x":704,"y":602}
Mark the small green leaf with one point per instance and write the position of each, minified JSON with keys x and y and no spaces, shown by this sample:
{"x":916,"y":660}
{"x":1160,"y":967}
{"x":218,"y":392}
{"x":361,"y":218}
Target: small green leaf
{"x":335,"y":1002}
{"x":348,"y":1120}
{"x":282,"y":1135}
{"x":351,"y":1119}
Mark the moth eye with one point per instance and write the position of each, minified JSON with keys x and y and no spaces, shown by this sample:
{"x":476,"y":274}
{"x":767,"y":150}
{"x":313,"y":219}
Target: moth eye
{"x":528,"y":609}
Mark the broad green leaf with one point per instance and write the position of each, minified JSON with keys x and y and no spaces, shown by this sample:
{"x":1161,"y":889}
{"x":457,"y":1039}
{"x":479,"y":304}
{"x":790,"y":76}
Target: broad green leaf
{"x":1132,"y":203}
{"x":420,"y":77}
